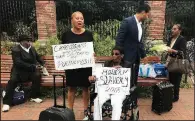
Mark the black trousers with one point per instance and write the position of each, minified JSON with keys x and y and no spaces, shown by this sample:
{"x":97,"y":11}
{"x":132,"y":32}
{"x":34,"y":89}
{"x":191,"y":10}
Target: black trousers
{"x":134,"y":71}
{"x":175,"y":79}
{"x":134,"y":75}
{"x":35,"y":78}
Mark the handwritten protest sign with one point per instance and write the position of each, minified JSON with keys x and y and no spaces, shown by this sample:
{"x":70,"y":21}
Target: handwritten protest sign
{"x":112,"y":80}
{"x":73,"y":56}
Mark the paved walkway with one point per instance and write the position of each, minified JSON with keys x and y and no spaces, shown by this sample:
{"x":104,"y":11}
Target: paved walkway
{"x":182,"y":110}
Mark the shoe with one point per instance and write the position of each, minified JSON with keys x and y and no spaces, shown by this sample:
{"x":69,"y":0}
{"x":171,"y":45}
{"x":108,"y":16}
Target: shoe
{"x":37,"y":100}
{"x":3,"y":94}
{"x":175,"y":100}
{"x":86,"y":116}
{"x":5,"y":108}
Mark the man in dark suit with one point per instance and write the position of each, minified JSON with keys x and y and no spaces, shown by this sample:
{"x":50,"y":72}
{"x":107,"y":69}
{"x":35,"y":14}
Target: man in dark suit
{"x":26,"y":67}
{"x":130,"y":39}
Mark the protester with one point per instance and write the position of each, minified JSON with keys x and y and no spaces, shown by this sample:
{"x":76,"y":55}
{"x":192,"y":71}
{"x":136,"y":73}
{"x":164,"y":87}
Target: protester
{"x":177,"y":43}
{"x":77,"y":77}
{"x":102,"y":97}
{"x":26,"y":67}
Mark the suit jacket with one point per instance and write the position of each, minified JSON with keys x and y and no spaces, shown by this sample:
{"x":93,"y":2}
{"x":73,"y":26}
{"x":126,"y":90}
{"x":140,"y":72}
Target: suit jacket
{"x":127,"y":38}
{"x":23,"y":64}
{"x":180,"y":46}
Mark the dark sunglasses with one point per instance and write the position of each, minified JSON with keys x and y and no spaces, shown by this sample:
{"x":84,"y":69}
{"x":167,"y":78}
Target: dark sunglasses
{"x":115,"y":54}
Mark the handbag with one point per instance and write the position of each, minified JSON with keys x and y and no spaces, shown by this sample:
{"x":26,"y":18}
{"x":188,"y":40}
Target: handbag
{"x":18,"y":96}
{"x":178,"y":65}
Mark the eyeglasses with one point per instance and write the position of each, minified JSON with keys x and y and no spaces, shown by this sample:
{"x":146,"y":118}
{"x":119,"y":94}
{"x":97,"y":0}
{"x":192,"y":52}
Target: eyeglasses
{"x":115,"y":54}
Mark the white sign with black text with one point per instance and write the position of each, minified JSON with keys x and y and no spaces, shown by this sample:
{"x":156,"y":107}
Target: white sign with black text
{"x":113,"y":80}
{"x":73,"y":56}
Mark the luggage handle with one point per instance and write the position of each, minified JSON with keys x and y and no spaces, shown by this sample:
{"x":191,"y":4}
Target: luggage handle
{"x":54,"y":86}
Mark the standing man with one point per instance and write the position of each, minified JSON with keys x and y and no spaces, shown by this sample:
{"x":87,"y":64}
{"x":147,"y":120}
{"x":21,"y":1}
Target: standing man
{"x":130,"y":39}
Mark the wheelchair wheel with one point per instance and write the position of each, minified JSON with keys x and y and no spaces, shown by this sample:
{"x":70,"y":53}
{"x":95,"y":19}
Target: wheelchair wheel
{"x":136,"y":117}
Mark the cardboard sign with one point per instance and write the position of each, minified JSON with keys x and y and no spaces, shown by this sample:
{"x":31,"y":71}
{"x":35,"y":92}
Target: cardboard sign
{"x":73,"y":56}
{"x":112,"y":80}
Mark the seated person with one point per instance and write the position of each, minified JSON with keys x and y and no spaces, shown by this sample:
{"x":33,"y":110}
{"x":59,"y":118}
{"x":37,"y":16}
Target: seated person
{"x":26,"y":67}
{"x":102,"y":97}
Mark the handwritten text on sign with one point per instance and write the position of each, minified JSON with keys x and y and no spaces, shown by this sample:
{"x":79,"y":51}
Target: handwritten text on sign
{"x":112,"y":80}
{"x":73,"y":56}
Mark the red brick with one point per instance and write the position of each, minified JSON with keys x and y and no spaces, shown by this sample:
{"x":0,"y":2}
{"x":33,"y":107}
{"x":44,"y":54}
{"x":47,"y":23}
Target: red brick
{"x":30,"y":110}
{"x":158,"y":19}
{"x":46,"y":18}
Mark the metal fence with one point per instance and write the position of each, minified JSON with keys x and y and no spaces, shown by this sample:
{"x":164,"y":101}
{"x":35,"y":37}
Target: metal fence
{"x":181,"y":12}
{"x":17,"y":17}
{"x":101,"y":16}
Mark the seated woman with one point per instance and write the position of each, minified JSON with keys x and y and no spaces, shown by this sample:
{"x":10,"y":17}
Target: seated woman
{"x":102,"y":97}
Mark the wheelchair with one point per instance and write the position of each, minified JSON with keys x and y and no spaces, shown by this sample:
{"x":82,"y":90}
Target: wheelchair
{"x":130,"y":109}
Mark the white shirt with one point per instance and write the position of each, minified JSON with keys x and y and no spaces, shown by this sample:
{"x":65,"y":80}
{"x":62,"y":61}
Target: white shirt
{"x":173,"y":42}
{"x":139,"y":28}
{"x":25,"y":49}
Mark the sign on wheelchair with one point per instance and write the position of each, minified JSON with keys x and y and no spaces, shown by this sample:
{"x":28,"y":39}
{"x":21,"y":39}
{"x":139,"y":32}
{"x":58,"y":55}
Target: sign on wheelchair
{"x":113,"y":80}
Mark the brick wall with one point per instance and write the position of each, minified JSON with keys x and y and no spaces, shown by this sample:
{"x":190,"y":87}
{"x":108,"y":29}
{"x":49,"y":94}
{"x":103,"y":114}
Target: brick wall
{"x":46,"y":19}
{"x":156,"y":27}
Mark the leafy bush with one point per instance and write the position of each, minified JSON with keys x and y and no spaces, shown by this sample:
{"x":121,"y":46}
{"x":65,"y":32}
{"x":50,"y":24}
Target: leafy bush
{"x":105,"y":28}
{"x":62,"y":27}
{"x":144,"y":92}
{"x":103,"y":47}
{"x":47,"y":48}
{"x":6,"y":47}
{"x":185,"y":84}
{"x":6,"y":44}
{"x":151,"y":47}
{"x":21,"y":28}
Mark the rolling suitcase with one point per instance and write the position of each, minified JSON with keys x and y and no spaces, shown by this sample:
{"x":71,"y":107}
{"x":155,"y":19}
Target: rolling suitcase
{"x":162,"y":97}
{"x":57,"y":112}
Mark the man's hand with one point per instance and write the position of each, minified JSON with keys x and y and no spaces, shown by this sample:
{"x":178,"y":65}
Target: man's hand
{"x":39,"y":67}
{"x":91,"y":78}
{"x":172,"y":51}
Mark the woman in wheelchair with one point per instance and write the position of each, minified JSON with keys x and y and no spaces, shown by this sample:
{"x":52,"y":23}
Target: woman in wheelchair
{"x":117,"y":101}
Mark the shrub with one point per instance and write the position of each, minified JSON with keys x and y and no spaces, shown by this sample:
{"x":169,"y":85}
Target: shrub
{"x":185,"y":83}
{"x":47,"y":48}
{"x":105,"y":28}
{"x":103,"y":47}
{"x":144,"y":92}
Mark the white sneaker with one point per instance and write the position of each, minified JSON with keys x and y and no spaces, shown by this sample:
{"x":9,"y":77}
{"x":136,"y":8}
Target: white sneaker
{"x":5,"y":108}
{"x":3,"y":94}
{"x":37,"y":100}
{"x":86,"y":118}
